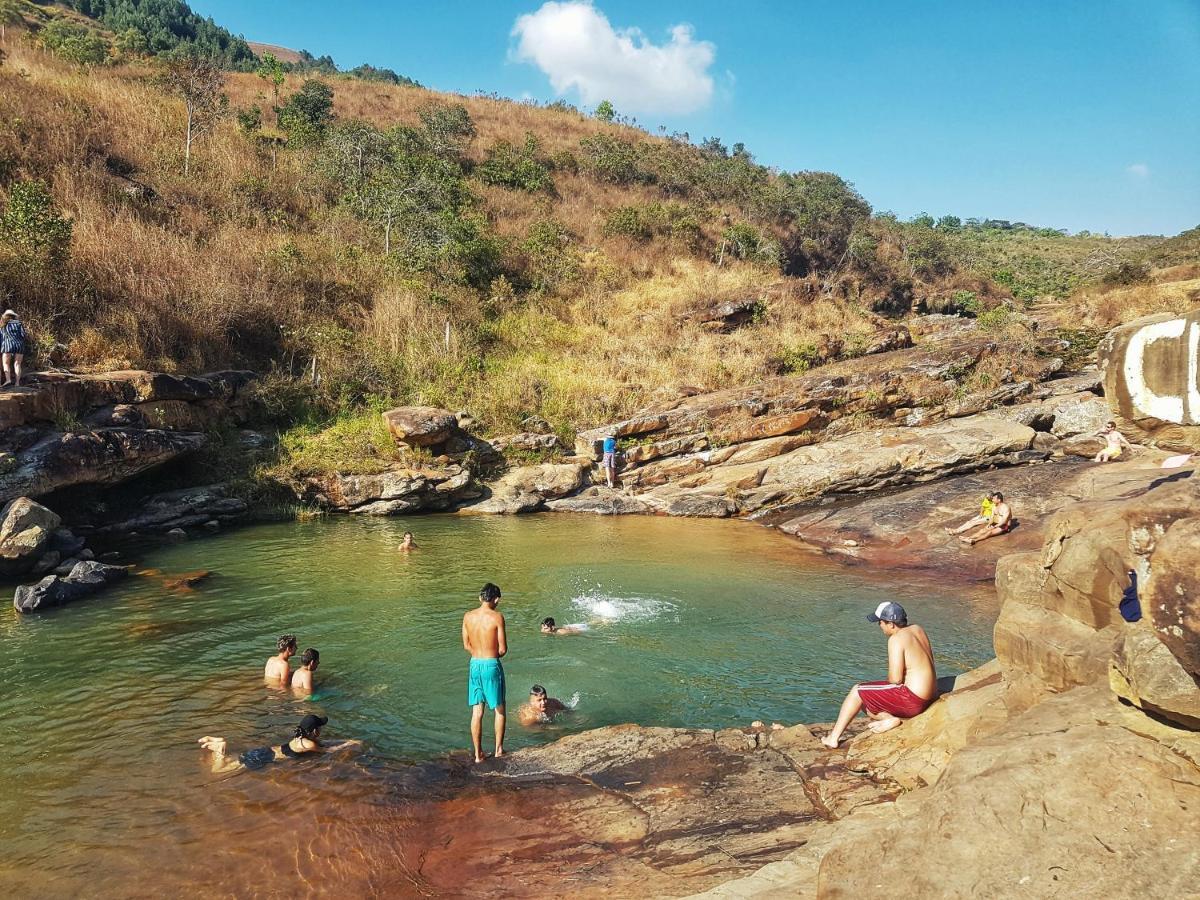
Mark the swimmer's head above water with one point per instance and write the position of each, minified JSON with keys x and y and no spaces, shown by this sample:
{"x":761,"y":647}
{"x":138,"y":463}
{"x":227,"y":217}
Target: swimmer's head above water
{"x":547,"y":626}
{"x":537,"y":698}
{"x":310,"y":659}
{"x":310,"y":727}
{"x":286,"y":644}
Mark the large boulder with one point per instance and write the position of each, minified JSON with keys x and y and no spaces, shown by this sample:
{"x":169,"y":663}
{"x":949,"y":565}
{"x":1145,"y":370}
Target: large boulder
{"x":395,"y":491}
{"x":26,"y":528}
{"x":1144,"y":672}
{"x":420,"y":426}
{"x":85,"y":579}
{"x":1172,"y":594}
{"x":527,"y":488}
{"x":185,"y":508}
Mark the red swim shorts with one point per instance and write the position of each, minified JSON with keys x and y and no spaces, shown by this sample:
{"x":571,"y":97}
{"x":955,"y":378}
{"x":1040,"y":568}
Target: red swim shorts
{"x":896,"y":699}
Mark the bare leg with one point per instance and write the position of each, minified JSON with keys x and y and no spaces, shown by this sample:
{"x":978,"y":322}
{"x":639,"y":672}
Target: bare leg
{"x":850,"y":708}
{"x":18,"y":366}
{"x":7,"y":360}
{"x":500,"y":719}
{"x":970,"y":523}
{"x":887,"y":723}
{"x":991,"y":532}
{"x":477,"y":731}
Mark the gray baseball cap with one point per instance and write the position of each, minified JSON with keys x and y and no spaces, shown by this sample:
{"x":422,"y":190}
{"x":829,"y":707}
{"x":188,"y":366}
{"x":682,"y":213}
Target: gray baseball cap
{"x":888,"y":612}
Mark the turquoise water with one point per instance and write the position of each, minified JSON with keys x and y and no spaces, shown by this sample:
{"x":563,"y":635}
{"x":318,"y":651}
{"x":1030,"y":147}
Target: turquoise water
{"x":691,"y":623}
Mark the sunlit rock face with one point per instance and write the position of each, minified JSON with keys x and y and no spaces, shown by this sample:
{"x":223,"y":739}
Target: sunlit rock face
{"x":1152,"y":378}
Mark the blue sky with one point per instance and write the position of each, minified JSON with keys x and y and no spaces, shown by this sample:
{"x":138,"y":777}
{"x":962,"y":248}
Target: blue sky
{"x":1081,"y":114}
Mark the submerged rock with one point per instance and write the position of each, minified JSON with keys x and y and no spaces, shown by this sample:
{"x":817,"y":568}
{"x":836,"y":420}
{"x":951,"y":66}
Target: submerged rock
{"x":85,"y":579}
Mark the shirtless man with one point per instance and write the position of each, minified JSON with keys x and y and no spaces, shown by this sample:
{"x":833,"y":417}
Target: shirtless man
{"x":911,"y":683}
{"x":278,"y":670}
{"x":483,"y":637}
{"x":408,"y":543}
{"x":302,"y":678}
{"x":540,"y":708}
{"x":548,"y":627}
{"x":1000,"y":523}
{"x":1114,"y":443}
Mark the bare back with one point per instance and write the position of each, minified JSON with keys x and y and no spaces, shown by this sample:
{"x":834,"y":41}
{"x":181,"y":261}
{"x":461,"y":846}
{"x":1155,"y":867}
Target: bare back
{"x":483,"y":633}
{"x":277,"y":671}
{"x":910,"y":649}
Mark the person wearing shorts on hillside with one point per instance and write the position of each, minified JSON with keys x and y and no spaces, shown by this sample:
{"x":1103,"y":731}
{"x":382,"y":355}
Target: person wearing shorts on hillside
{"x":610,"y":460}
{"x":911,"y":683}
{"x":1114,"y":443}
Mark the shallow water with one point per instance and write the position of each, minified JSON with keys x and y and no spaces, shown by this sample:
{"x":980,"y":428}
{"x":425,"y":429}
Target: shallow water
{"x":690,"y":623}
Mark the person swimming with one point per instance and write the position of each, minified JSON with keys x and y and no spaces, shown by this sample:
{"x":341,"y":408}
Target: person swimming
{"x":548,"y":627}
{"x":408,"y":543}
{"x":278,"y":670}
{"x":304,"y":740}
{"x":540,"y":708}
{"x":302,"y":678}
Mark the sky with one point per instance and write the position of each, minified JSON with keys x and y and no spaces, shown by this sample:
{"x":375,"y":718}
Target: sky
{"x":1077,"y":114}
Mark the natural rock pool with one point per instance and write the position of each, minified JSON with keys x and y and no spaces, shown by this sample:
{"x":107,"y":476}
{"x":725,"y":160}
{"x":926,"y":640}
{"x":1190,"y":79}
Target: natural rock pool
{"x":692,"y":623}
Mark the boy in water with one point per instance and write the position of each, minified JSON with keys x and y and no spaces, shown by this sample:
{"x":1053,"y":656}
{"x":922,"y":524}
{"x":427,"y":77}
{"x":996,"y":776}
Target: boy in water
{"x":278,"y":670}
{"x":911,"y":683}
{"x":548,"y":627}
{"x":540,"y":708}
{"x":408,"y":543}
{"x":483,"y":637}
{"x":302,"y":678}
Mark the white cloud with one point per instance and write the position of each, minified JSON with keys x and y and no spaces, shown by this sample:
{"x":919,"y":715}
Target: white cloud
{"x":577,"y":47}
{"x":1138,"y":170}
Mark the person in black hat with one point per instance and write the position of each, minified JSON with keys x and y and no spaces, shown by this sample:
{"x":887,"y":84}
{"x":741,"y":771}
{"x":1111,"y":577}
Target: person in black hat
{"x":304,"y":740}
{"x":911,"y":683}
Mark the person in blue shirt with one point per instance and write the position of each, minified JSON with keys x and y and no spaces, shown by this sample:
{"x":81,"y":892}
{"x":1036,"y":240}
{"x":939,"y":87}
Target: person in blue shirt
{"x":14,"y":344}
{"x":610,"y":460}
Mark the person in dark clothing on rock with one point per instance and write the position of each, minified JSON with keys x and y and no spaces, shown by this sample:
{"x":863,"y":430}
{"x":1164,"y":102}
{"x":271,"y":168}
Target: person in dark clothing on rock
{"x":14,"y":344}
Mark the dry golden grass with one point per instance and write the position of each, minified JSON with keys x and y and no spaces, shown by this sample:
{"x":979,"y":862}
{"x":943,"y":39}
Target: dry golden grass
{"x":1175,"y":291}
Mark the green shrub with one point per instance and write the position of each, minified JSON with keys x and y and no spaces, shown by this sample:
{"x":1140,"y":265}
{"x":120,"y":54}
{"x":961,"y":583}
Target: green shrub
{"x":31,"y":225}
{"x":554,"y":261}
{"x":613,"y":159}
{"x":307,"y":114}
{"x":519,"y":168}
{"x":743,"y":241}
{"x":74,"y":42}
{"x":644,"y":221}
{"x":800,"y":358}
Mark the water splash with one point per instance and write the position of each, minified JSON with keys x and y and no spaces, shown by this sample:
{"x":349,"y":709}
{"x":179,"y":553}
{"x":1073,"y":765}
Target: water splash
{"x":622,"y":609}
{"x":572,"y":703}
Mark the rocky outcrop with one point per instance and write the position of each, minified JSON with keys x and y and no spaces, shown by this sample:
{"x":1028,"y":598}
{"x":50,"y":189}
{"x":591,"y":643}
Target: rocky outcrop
{"x":86,"y":578}
{"x":600,"y":500}
{"x":397,"y":491}
{"x":527,"y":488}
{"x":26,"y":530}
{"x":63,"y":430}
{"x":420,"y":426}
{"x":187,"y":508}
{"x":1150,"y":377}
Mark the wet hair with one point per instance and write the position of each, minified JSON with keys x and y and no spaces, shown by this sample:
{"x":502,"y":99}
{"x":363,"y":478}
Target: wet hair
{"x":548,"y":622}
{"x":310,"y":656}
{"x":408,"y":534}
{"x":1110,"y":424}
{"x":310,"y":732}
{"x":286,"y":642}
{"x":537,"y":691}
{"x":489,"y":593}
{"x":999,"y":496}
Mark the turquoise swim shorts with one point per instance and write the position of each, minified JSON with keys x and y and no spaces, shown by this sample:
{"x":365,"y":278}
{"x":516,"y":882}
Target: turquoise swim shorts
{"x":485,"y":683}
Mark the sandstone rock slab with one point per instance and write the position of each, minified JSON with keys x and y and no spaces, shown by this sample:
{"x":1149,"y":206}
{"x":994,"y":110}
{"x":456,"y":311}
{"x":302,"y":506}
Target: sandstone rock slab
{"x":420,"y":426}
{"x":26,"y":528}
{"x":527,"y":488}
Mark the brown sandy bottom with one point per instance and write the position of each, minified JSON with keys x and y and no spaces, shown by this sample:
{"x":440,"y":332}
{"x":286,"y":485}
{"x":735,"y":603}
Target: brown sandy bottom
{"x":619,"y":812}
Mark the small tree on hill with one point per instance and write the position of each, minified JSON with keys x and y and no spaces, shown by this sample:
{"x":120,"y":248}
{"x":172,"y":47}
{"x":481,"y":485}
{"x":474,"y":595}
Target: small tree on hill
{"x":307,"y":113}
{"x":32,"y":226}
{"x":271,"y":69}
{"x":198,"y":83}
{"x":605,"y":111}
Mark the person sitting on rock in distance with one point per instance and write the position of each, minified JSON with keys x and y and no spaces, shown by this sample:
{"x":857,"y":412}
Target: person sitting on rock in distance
{"x":1114,"y":443}
{"x":302,"y":678}
{"x":985,"y":517}
{"x":540,"y":708}
{"x":304,"y":740}
{"x":911,"y":683}
{"x":278,"y":670}
{"x":610,"y":460}
{"x":408,"y":543}
{"x":1000,"y":522}
{"x":14,"y":344}
{"x":548,"y":627}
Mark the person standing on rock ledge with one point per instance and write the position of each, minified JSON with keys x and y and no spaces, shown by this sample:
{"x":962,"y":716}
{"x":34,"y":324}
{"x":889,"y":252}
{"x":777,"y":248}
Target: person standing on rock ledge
{"x":14,"y":344}
{"x":911,"y":683}
{"x":483,"y":637}
{"x":610,"y":460}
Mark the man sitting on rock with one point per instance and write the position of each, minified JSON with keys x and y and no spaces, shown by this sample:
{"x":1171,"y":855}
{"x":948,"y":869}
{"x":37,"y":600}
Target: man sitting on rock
{"x":986,"y":508}
{"x":540,"y":708}
{"x":278,"y":670}
{"x":911,"y":683}
{"x":1114,"y":443}
{"x":1000,"y":522}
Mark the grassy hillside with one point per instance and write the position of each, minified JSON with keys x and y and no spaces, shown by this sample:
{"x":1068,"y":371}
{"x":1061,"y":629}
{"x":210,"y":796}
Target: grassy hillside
{"x":472,"y":252}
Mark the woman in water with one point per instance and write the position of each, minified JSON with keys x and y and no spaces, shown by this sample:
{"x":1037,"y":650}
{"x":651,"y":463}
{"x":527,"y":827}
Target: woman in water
{"x":304,"y":741}
{"x":14,"y":344}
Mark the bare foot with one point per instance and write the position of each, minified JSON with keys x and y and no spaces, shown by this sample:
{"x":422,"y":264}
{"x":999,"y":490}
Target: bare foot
{"x":775,"y":726}
{"x":758,"y":723}
{"x":829,"y":742}
{"x":481,"y":758}
{"x":499,"y":752}
{"x":966,"y":541}
{"x":883,"y":725}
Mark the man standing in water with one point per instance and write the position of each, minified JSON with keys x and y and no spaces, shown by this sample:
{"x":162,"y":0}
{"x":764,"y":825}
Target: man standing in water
{"x":484,"y":638}
{"x":911,"y":683}
{"x":278,"y":670}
